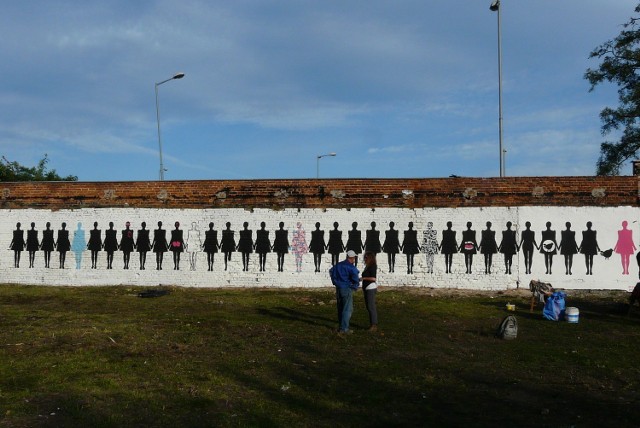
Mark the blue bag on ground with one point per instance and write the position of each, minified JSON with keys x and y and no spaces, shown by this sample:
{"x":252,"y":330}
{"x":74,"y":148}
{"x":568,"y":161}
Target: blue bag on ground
{"x":554,"y":306}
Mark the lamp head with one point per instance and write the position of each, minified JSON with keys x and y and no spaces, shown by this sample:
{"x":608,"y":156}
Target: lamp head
{"x":495,"y":5}
{"x":178,"y":75}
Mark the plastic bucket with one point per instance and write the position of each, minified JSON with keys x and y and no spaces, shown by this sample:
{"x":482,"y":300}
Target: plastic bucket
{"x":572,"y":315}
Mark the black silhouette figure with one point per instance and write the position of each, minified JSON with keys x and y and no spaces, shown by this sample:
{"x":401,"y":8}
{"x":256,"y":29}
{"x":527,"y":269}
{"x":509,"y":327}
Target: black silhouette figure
{"x":468,"y":247}
{"x":354,"y":241}
{"x":63,"y":244}
{"x":508,"y":247}
{"x":281,"y":245}
{"x":589,"y":247}
{"x":372,"y":240}
{"x":210,"y":245}
{"x":17,"y":244}
{"x":488,"y":247}
{"x":391,"y":246}
{"x":32,"y":243}
{"x":317,"y":246}
{"x":568,"y":247}
{"x":548,"y":246}
{"x":48,"y":244}
{"x":262,"y":245}
{"x":94,"y":244}
{"x":228,"y":244}
{"x":335,"y":245}
{"x":527,"y":244}
{"x":110,"y":244}
{"x":177,"y":245}
{"x":127,"y":244}
{"x":448,"y":246}
{"x":143,"y":244}
{"x":410,"y":246}
{"x":245,"y":245}
{"x":159,"y":245}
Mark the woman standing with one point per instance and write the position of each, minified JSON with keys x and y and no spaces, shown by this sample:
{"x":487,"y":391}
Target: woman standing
{"x":410,"y":246}
{"x":126,"y":244}
{"x":468,"y":246}
{"x":317,"y":246}
{"x":568,"y":247}
{"x":63,"y":244}
{"x":228,"y":243}
{"x":262,"y":245}
{"x":299,"y":245}
{"x":210,"y":245}
{"x":32,"y":243}
{"x":370,"y":288}
{"x":430,"y":245}
{"x":194,"y":245}
{"x":448,"y":246}
{"x":508,"y":247}
{"x":78,"y":246}
{"x":548,"y":246}
{"x":110,"y":244}
{"x":94,"y":244}
{"x":488,"y":247}
{"x":47,"y":244}
{"x":177,"y":245}
{"x":245,"y":245}
{"x":159,"y":244}
{"x":281,"y":245}
{"x":589,"y":247}
{"x":391,"y":246}
{"x":625,"y":246}
{"x":528,"y":243}
{"x":143,"y":244}
{"x":17,"y":245}
{"x":335,"y":245}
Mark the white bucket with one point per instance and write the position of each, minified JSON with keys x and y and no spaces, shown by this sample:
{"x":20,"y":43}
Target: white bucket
{"x":572,"y":314}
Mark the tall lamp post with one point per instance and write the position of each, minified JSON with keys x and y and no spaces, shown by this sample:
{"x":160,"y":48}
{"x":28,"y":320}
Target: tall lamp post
{"x":495,"y":7}
{"x":318,"y":162}
{"x":175,"y":76}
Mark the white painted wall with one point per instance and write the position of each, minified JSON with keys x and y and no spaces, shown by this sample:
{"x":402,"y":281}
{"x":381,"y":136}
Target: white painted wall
{"x":607,"y":273}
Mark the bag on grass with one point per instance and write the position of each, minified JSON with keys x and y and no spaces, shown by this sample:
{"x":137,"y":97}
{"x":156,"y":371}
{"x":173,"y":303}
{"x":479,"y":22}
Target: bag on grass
{"x":508,"y":329}
{"x":554,"y":306}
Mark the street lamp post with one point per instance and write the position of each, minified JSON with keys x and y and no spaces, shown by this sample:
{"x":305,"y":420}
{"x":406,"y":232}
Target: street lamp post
{"x":318,"y":162}
{"x":495,"y":7}
{"x":175,"y":76}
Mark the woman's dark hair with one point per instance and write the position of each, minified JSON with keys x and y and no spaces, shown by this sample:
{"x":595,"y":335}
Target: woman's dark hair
{"x":370,"y":258}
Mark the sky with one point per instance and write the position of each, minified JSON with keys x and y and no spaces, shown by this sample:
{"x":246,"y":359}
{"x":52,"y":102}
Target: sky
{"x":403,"y":88}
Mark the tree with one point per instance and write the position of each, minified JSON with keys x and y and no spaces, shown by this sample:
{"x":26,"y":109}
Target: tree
{"x":13,"y":171}
{"x":620,"y":65}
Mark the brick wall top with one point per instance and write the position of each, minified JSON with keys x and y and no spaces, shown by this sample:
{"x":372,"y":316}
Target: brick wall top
{"x":327,"y":193}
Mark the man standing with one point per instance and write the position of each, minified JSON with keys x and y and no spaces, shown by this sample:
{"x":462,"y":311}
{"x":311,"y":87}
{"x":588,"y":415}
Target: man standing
{"x":345,"y":277}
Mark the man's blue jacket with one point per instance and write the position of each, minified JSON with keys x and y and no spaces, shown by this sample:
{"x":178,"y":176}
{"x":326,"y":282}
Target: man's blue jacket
{"x":345,"y":275}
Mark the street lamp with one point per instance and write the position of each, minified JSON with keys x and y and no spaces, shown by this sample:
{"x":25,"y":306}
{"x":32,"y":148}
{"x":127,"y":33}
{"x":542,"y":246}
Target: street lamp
{"x":175,"y":76}
{"x":495,"y":7}
{"x":318,"y":162}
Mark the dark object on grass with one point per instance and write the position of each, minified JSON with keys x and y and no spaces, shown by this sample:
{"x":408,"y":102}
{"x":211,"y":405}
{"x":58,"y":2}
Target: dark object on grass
{"x":153,"y":293}
{"x":508,"y":329}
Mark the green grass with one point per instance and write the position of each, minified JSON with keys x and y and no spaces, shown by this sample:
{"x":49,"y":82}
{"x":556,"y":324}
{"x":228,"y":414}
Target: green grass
{"x":253,"y":357}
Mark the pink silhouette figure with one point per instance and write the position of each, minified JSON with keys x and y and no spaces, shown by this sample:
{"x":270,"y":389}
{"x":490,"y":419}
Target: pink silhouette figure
{"x":625,"y":246}
{"x":299,"y":245}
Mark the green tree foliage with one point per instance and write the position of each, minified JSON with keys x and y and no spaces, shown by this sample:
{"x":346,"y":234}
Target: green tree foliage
{"x":13,"y":171}
{"x":620,"y":64}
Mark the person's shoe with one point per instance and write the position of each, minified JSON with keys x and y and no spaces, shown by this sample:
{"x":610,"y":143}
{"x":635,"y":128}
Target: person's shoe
{"x":374,"y":327}
{"x":342,"y":332}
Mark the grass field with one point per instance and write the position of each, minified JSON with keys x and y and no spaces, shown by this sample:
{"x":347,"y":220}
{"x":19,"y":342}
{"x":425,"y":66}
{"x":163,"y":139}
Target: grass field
{"x":104,"y":357}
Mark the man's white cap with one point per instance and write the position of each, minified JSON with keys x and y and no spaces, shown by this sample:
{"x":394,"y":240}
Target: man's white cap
{"x":351,"y":253}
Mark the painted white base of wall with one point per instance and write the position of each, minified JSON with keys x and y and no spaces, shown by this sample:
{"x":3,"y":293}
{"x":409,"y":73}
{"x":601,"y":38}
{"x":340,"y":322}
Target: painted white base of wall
{"x":607,"y":273}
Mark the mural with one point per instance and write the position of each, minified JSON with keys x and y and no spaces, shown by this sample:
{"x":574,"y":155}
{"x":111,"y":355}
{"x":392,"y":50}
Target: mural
{"x":519,"y":246}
